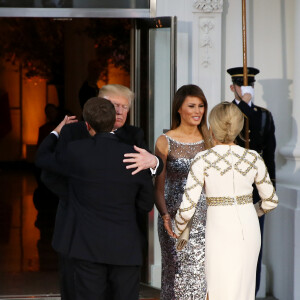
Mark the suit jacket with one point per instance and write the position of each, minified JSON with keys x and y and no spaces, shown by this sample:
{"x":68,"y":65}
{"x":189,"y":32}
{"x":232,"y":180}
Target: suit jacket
{"x":58,"y":184}
{"x":128,"y":134}
{"x":103,"y":198}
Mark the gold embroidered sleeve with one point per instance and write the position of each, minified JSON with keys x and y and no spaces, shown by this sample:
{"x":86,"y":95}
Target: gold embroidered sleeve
{"x":266,"y":190}
{"x":191,"y":195}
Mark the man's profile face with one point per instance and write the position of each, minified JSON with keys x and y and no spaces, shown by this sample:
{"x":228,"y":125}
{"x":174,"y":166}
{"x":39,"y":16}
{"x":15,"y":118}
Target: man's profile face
{"x":122,"y":107}
{"x":236,"y":89}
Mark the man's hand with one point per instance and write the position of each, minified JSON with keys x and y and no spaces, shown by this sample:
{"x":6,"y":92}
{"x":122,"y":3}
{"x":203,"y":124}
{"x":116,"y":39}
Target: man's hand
{"x":247,"y":93}
{"x":141,"y":161}
{"x":66,"y":120}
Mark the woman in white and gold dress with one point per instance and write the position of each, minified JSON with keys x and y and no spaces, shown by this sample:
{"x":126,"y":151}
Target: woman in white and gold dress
{"x":227,"y":172}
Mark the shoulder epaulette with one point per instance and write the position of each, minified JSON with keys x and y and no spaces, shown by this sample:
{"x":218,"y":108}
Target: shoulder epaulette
{"x":261,"y":108}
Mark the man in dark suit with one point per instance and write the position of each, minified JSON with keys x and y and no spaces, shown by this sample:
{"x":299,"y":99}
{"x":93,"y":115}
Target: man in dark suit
{"x":258,"y":132}
{"x":103,"y":199}
{"x":121,"y":97}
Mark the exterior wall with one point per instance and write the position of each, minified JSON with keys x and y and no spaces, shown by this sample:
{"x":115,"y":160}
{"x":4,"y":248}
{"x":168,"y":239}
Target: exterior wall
{"x":271,"y":34}
{"x":198,"y":44}
{"x":273,"y":54}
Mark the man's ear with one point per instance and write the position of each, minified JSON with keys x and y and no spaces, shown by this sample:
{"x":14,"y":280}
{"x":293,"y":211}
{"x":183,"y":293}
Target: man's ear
{"x":232,"y":88}
{"x":89,"y":128}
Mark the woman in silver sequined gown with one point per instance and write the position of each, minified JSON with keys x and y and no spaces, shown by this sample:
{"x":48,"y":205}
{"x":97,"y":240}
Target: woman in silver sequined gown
{"x":183,"y":272}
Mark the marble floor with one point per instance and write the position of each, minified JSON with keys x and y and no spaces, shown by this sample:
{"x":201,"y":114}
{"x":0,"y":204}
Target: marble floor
{"x":28,"y":265}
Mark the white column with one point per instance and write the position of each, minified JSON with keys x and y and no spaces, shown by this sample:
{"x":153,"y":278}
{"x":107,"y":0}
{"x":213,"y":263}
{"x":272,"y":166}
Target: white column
{"x":290,"y":172}
{"x":206,"y":60}
{"x":283,"y":228}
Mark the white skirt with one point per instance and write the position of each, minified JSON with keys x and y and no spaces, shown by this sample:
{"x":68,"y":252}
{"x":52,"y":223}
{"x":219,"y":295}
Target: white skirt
{"x":232,"y":248}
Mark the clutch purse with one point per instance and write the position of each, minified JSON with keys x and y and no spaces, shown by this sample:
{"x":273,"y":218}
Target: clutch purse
{"x":184,"y":237}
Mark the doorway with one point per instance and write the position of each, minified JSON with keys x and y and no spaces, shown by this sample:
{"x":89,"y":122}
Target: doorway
{"x":28,"y":96}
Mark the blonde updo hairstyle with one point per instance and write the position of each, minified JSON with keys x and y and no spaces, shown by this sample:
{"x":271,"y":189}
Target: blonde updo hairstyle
{"x":226,"y":122}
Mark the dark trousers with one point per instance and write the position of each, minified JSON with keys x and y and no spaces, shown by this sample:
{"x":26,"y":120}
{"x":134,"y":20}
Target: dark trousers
{"x":256,"y":198}
{"x":92,"y":280}
{"x":258,"y":268}
{"x":67,"y":277}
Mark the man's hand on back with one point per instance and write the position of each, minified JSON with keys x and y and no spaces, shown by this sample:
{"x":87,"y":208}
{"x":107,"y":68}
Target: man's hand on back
{"x":66,"y":120}
{"x":140,"y":161}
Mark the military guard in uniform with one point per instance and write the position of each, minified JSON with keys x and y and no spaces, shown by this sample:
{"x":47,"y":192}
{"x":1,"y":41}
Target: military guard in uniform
{"x":258,"y":132}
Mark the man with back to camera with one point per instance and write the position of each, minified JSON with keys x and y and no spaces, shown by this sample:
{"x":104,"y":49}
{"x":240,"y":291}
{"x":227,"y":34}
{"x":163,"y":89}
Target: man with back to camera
{"x":103,"y":198}
{"x":121,"y":97}
{"x":261,"y":133}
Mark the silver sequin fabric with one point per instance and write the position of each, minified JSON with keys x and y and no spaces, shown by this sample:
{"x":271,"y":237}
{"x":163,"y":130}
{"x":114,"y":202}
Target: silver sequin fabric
{"x":183,"y":272}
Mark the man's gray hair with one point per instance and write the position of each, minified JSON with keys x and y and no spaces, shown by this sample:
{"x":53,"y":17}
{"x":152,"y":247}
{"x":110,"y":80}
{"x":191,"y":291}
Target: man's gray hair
{"x":118,"y":90}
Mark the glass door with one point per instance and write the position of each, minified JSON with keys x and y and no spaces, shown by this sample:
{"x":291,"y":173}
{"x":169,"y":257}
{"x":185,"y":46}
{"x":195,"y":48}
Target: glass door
{"x":154,"y":86}
{"x":155,"y":75}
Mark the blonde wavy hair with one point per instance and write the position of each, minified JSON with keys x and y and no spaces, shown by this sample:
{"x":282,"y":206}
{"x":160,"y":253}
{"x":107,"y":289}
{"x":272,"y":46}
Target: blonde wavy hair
{"x":226,"y":122}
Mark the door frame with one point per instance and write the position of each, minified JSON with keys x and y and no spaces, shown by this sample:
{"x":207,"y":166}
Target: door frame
{"x":149,"y":93}
{"x":142,"y":28}
{"x":79,"y":12}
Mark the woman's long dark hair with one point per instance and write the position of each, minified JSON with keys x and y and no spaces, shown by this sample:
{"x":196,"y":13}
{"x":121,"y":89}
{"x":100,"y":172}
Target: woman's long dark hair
{"x":179,"y":97}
